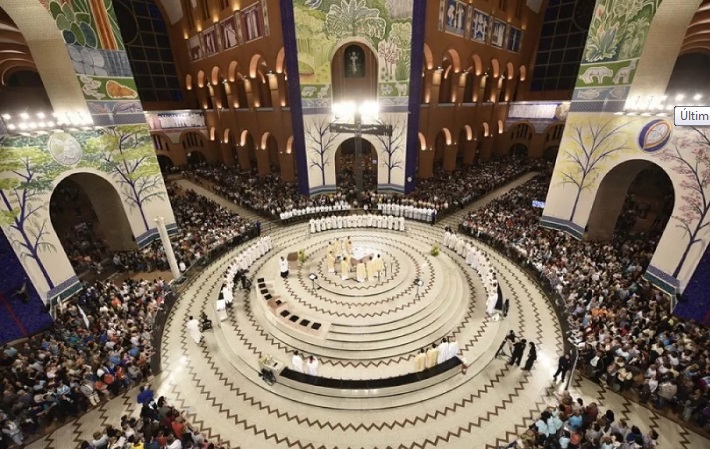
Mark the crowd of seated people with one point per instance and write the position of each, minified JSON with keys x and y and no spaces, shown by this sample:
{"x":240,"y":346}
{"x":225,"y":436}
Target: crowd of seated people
{"x":159,"y":425}
{"x":99,"y":345}
{"x":446,"y":191}
{"x":573,"y":425}
{"x":626,"y":336}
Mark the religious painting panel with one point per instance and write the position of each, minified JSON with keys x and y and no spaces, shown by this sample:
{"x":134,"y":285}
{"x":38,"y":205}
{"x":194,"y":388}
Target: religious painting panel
{"x":252,"y":23}
{"x":228,"y":30}
{"x":210,"y":41}
{"x":455,"y":17}
{"x":515,"y":38}
{"x":195,"y":47}
{"x":480,"y":26}
{"x":498,"y":33}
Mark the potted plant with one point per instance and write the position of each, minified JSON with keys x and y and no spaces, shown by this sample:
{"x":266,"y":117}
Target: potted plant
{"x":302,"y":256}
{"x":435,"y":250}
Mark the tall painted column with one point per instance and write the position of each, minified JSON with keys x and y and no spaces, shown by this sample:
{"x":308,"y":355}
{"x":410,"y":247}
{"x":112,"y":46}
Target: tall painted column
{"x":169,"y":254}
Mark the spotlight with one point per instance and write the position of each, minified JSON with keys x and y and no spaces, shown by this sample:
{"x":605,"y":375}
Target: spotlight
{"x":697,"y":97}
{"x":679,"y":97}
{"x":11,"y":127}
{"x":6,"y":116}
{"x":40,"y":115}
{"x":25,"y":116}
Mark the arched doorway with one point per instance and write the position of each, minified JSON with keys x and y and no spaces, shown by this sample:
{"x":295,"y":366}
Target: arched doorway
{"x":635,"y":197}
{"x":440,"y":144}
{"x":550,"y":153}
{"x":345,"y":167}
{"x":518,"y":150}
{"x":166,"y":164}
{"x":88,"y":216}
{"x":354,"y":73}
{"x":272,"y":148}
{"x":196,"y":157}
{"x":248,"y":143}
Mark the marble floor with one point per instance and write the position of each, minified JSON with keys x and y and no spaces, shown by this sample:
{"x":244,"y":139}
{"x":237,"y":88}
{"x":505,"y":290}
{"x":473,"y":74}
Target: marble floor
{"x":370,"y":330}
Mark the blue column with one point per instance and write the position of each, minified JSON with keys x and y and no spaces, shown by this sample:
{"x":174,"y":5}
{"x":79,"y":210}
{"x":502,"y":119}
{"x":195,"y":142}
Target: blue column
{"x":415,"y":94}
{"x":294,"y":93}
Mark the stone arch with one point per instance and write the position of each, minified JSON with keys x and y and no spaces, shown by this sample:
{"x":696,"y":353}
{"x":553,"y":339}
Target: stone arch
{"x":112,"y":214}
{"x":522,"y":74}
{"x":468,"y":132}
{"x":519,"y":150}
{"x":192,"y":139}
{"x":49,"y":53}
{"x":422,"y":142}
{"x":246,"y":140}
{"x":611,"y":193}
{"x":509,"y":70}
{"x":226,"y":136}
{"x":289,"y":145}
{"x":233,"y":71}
{"x":553,"y":134}
{"x":188,"y":82}
{"x":201,"y":78}
{"x":428,"y":57}
{"x":165,"y":161}
{"x":369,"y":161}
{"x":477,"y":64}
{"x":486,"y":129}
{"x":501,"y":127}
{"x":453,"y":54}
{"x":346,"y":84}
{"x":213,"y":133}
{"x":494,"y":68}
{"x":256,"y":60}
{"x":271,"y":146}
{"x":522,"y":131}
{"x":663,"y":44}
{"x":442,"y":141}
{"x":215,"y":76}
{"x":161,"y":142}
{"x":196,"y":157}
{"x":280,"y":61}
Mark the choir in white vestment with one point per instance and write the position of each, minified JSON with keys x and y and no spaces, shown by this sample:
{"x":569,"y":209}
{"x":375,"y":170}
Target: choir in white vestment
{"x":356,"y":221}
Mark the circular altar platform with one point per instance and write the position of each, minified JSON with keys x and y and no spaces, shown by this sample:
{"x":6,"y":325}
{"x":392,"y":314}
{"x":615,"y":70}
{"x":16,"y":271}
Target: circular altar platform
{"x":369,"y":330}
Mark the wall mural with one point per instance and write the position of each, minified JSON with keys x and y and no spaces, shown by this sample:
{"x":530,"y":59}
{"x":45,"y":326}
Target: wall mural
{"x":616,"y":39}
{"x":593,"y":144}
{"x":93,"y":38}
{"x":321,"y":146}
{"x":30,"y":168}
{"x":322,"y":26}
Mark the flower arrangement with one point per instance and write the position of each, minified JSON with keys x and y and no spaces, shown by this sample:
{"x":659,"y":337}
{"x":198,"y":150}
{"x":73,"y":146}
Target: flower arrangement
{"x":435,"y":250}
{"x":302,"y":256}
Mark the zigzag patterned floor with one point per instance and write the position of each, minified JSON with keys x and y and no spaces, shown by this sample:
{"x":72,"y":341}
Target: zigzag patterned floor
{"x":369,"y":336}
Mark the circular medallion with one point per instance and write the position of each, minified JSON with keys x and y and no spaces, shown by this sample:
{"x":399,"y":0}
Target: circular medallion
{"x":65,"y":149}
{"x":654,"y":135}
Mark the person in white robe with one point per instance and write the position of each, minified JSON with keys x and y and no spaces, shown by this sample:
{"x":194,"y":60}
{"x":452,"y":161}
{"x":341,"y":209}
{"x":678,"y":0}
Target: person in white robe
{"x":340,"y":222}
{"x":193,"y":328}
{"x":312,"y":225}
{"x":331,"y":262}
{"x":361,"y":272}
{"x":460,"y":246}
{"x":318,"y":225}
{"x":312,"y":366}
{"x":371,"y":268}
{"x":269,"y":243}
{"x":491,"y":302}
{"x":348,"y":246}
{"x":443,"y":350}
{"x":283,"y":267}
{"x":297,"y":362}
{"x":369,"y":220}
{"x":447,"y":237}
{"x":453,"y":349}
{"x":401,"y":223}
{"x":470,"y":254}
{"x":334,"y":221}
{"x":344,"y":268}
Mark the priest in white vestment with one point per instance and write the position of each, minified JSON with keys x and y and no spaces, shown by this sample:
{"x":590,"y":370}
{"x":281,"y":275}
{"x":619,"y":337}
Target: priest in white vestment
{"x":297,"y":362}
{"x":193,"y":328}
{"x":312,"y":366}
{"x":312,"y":225}
{"x":443,"y":350}
{"x":447,"y":237}
{"x":331,"y":262}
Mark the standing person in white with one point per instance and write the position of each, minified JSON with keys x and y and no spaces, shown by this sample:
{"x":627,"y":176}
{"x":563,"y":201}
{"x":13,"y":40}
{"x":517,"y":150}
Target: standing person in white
{"x":312,"y":366}
{"x":193,"y":327}
{"x":443,"y":351}
{"x":283,"y":268}
{"x":297,"y":362}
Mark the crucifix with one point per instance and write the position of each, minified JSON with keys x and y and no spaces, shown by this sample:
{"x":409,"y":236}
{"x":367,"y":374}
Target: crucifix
{"x":354,"y":59}
{"x":358,"y":128}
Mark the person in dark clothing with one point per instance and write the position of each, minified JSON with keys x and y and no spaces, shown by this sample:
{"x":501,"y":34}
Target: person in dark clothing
{"x":508,"y":340}
{"x":518,"y":349}
{"x":562,"y":367}
{"x":532,"y":356}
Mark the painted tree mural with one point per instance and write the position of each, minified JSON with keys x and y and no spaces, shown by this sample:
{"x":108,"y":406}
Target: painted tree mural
{"x":692,"y":158}
{"x":594,"y":145}
{"x":24,"y":201}
{"x":392,"y":148}
{"x":126,"y":153}
{"x":319,"y":141}
{"x":354,"y":18}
